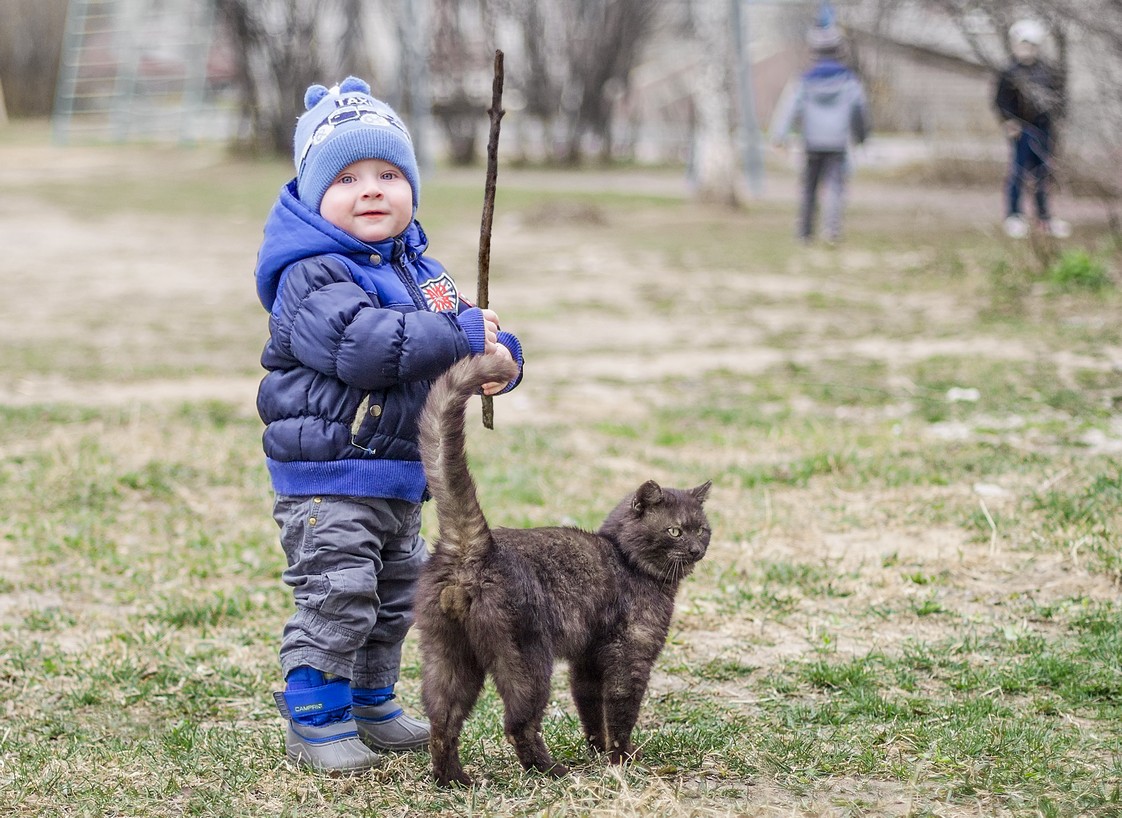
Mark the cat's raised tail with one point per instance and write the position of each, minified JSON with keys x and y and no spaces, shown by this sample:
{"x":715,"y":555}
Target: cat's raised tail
{"x":463,"y":527}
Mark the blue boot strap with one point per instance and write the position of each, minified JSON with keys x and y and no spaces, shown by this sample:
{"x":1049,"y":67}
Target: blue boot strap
{"x":310,"y":701}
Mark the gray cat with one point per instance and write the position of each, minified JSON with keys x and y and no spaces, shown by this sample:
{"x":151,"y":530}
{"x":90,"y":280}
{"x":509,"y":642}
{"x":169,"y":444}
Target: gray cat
{"x":509,"y":602}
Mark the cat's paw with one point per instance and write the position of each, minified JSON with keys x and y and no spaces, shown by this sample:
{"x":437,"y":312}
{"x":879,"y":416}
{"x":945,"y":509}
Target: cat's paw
{"x":452,"y":778}
{"x":553,"y":769}
{"x":624,"y":755}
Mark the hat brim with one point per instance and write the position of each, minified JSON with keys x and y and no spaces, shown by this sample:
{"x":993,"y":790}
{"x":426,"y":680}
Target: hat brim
{"x":352,"y":143}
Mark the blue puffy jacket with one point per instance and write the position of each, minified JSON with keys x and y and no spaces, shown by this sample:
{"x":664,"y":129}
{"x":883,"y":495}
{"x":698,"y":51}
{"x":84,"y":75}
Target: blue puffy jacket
{"x":357,"y":332}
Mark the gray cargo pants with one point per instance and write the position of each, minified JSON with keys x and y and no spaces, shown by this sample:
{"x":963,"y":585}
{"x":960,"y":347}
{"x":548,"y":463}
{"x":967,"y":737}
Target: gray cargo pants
{"x":353,"y":564}
{"x":831,"y":170}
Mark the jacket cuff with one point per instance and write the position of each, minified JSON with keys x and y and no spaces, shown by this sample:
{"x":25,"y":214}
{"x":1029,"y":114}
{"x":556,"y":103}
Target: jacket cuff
{"x":510,"y":341}
{"x":471,"y":322}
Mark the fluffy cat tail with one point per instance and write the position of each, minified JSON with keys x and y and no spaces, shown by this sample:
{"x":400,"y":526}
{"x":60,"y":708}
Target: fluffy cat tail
{"x":463,"y":528}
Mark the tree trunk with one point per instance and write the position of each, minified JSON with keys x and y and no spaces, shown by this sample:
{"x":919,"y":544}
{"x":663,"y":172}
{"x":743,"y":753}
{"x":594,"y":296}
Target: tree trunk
{"x":716,"y":169}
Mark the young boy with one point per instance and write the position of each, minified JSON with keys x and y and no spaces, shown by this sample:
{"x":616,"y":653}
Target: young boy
{"x":1030,"y":102}
{"x":361,"y":322}
{"x":829,"y":107}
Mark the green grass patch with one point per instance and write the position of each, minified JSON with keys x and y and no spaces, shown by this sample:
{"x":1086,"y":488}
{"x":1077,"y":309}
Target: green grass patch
{"x":989,"y":718}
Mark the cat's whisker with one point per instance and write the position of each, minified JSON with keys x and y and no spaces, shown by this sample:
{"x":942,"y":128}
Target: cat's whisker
{"x":670,"y":575}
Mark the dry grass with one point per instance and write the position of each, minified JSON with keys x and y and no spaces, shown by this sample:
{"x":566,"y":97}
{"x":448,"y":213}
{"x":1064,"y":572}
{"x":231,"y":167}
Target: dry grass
{"x":910,"y":605}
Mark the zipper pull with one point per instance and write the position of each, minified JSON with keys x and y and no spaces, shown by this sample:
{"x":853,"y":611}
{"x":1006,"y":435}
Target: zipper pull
{"x":356,"y":424}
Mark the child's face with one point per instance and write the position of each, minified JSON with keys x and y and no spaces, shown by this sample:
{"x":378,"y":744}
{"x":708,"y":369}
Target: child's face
{"x":1025,"y":52}
{"x":370,"y":199}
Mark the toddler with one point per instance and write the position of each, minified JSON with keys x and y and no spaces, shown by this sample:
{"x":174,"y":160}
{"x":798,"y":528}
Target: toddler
{"x":360,"y":323}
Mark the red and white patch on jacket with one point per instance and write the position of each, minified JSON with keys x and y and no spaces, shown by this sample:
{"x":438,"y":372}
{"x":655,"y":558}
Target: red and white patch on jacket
{"x":441,"y":294}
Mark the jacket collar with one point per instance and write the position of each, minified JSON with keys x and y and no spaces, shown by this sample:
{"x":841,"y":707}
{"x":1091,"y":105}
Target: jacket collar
{"x":293,"y":231}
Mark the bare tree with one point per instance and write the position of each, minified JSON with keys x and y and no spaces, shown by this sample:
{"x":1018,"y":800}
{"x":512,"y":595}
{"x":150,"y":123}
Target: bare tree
{"x":605,"y":39}
{"x":541,"y":88}
{"x":454,"y":59}
{"x":578,"y":57}
{"x":715,"y":165}
{"x":30,"y":41}
{"x":277,"y":43}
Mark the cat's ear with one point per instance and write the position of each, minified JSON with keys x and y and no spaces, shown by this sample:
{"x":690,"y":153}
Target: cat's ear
{"x":702,"y":491}
{"x":649,"y":494}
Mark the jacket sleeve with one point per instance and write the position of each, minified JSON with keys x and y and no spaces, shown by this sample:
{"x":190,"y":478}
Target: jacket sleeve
{"x":1058,"y":86}
{"x":328,"y":323}
{"x":507,"y":339}
{"x":860,"y":122}
{"x":787,"y":111}
{"x":511,"y":342}
{"x":1005,"y":98}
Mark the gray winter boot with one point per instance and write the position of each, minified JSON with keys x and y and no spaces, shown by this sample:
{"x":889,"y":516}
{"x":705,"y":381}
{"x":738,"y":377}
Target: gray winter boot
{"x":386,"y":727}
{"x":333,"y":748}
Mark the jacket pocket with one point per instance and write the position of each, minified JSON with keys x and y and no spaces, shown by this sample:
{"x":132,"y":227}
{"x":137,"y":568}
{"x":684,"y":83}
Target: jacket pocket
{"x":366,"y":421}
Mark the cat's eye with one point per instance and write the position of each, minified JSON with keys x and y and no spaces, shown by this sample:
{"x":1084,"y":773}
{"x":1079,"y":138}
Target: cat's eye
{"x":674,"y":531}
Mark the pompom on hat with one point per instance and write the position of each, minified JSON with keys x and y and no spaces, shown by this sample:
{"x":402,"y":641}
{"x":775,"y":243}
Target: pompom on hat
{"x":344,"y":124}
{"x":824,"y":37}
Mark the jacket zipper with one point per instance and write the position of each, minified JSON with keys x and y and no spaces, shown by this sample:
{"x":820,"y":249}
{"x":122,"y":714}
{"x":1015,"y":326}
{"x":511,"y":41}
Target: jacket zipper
{"x":406,"y":277}
{"x":402,"y":272}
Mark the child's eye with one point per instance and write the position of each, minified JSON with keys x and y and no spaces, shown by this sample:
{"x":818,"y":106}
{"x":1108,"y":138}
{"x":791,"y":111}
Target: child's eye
{"x":389,"y":175}
{"x":346,"y":179}
{"x":674,"y":531}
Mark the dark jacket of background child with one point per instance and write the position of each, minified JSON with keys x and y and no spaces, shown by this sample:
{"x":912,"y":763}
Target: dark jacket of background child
{"x":1032,"y":94}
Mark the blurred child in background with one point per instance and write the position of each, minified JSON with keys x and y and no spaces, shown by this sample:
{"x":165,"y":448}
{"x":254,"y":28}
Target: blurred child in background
{"x":828,"y":107}
{"x":1030,"y":102}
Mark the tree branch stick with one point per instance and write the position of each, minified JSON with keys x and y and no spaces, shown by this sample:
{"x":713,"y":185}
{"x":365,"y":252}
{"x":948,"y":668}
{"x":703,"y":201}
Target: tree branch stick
{"x":481,"y":295}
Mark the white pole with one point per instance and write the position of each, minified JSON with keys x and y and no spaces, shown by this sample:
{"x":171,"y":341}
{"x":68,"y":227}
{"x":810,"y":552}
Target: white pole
{"x":753,"y":156}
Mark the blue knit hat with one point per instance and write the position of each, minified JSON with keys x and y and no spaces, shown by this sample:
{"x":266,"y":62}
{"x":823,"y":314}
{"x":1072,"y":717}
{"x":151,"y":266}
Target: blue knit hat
{"x":824,"y":38}
{"x":342,"y":125}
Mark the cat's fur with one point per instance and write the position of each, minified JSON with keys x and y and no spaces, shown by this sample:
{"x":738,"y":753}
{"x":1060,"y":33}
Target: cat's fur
{"x":508,"y":602}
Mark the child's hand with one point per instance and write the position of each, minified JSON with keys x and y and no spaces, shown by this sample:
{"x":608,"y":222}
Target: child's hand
{"x":491,"y":329}
{"x":502,"y":352}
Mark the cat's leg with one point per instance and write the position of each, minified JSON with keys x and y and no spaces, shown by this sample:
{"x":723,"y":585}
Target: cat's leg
{"x":522,"y":679}
{"x":624,"y":689}
{"x":621,"y":714}
{"x":586,"y":683}
{"x":452,"y":680}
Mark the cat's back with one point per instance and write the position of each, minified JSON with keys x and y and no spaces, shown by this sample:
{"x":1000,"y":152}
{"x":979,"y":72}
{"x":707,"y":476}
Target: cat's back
{"x":563,"y":581}
{"x":566,"y":552}
{"x":566,"y":565}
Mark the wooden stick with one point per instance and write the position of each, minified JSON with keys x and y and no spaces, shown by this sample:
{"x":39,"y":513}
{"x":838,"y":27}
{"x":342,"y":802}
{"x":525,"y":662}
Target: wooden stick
{"x":495,"y":113}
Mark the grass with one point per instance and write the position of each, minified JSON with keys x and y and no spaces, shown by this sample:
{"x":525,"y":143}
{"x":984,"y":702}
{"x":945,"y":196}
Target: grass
{"x":975,"y":715}
{"x":912,"y":590}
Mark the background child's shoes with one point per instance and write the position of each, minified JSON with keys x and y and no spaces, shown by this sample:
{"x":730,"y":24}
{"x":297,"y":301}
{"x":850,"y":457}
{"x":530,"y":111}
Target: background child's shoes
{"x":1056,"y":228}
{"x":1016,"y":227}
{"x":333,"y":749}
